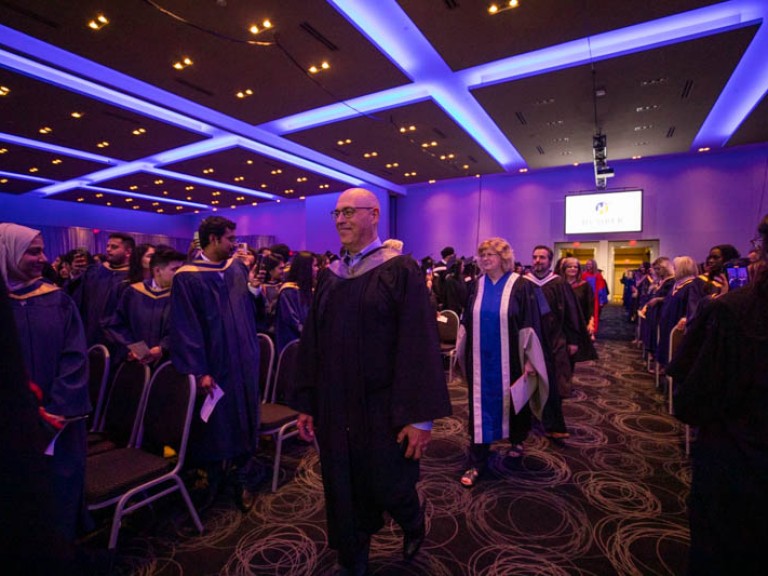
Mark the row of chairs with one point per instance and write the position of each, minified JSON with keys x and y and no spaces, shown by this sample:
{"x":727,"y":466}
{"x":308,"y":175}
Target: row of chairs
{"x":137,"y":418}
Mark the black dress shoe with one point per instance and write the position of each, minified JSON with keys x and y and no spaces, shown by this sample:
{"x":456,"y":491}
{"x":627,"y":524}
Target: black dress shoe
{"x":356,"y":563}
{"x":413,"y":539}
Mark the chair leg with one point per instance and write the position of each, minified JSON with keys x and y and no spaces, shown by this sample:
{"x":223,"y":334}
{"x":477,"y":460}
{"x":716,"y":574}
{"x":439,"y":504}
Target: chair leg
{"x":190,"y":505}
{"x":669,"y":394}
{"x":687,"y":440}
{"x":276,"y":464}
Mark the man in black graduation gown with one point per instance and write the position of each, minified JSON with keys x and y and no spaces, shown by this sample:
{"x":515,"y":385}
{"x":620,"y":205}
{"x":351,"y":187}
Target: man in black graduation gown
{"x":97,"y":291}
{"x":561,"y":329}
{"x":370,"y":383}
{"x":214,"y":337}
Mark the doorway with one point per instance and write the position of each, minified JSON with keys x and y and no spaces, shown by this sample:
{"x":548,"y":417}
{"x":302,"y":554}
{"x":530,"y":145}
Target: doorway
{"x":613,"y":258}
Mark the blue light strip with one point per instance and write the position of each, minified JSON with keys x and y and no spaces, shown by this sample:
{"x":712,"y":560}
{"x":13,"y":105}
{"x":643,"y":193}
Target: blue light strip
{"x":212,"y":184}
{"x":26,"y":177}
{"x":54,"y":149}
{"x":187,"y":114}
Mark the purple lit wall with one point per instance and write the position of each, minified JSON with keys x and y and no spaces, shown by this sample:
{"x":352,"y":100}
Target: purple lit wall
{"x":691,"y":202}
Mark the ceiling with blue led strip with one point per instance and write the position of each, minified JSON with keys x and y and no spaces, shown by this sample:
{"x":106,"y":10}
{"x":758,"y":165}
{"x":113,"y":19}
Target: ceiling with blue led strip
{"x":171,"y":106}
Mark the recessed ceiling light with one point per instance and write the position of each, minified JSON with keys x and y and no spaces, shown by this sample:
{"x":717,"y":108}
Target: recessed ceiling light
{"x":35,"y":169}
{"x":185,"y":62}
{"x":45,"y":130}
{"x":98,"y":23}
{"x":523,"y":170}
{"x":704,"y":149}
{"x":4,"y":90}
{"x":57,"y":161}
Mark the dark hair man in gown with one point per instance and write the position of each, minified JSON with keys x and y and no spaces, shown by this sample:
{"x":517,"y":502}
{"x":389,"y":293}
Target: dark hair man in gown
{"x":214,"y":337}
{"x":370,"y":383}
{"x":722,"y":372}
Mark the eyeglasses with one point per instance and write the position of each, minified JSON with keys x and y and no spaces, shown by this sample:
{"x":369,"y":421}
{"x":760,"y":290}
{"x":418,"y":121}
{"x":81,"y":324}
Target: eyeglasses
{"x":349,"y":211}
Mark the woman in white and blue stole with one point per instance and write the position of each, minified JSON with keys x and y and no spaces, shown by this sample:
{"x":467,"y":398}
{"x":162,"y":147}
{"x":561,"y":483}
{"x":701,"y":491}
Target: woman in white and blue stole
{"x":503,"y":340}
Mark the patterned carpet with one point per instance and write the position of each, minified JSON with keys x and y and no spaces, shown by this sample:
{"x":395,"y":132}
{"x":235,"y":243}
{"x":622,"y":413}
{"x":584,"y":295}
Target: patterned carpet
{"x":609,"y":500}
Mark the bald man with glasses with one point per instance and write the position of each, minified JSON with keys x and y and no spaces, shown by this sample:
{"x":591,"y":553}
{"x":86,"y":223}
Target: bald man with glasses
{"x":370,"y":383}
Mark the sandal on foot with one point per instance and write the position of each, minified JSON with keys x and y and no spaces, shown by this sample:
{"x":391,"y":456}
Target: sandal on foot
{"x":469,"y":478}
{"x":516,"y":451}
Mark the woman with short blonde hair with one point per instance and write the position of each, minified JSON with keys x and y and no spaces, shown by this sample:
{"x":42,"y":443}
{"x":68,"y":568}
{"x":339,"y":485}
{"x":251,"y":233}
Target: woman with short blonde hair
{"x":503,"y":341}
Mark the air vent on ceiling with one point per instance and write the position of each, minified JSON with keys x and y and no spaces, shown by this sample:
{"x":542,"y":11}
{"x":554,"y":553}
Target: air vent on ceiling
{"x":439,"y":133}
{"x":32,"y":15}
{"x":315,"y":33}
{"x":451,"y":4}
{"x":540,"y":150}
{"x":195,"y":87}
{"x":687,"y":89}
{"x":521,"y":118}
{"x":671,"y":132}
{"x":121,"y":117}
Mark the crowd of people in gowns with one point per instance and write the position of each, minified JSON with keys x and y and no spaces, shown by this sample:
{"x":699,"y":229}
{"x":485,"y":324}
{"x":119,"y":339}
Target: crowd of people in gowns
{"x":370,"y":378}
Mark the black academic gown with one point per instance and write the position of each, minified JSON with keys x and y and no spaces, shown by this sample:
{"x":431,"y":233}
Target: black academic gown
{"x":681,"y":302}
{"x":722,"y":374}
{"x":56,"y":358}
{"x":96,"y":294}
{"x":370,"y":365}
{"x":141,"y":314}
{"x":650,"y":335}
{"x":522,"y":310}
{"x":213,"y":331}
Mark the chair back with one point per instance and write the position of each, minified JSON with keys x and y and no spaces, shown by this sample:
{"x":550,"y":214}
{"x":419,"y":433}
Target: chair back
{"x":448,"y":326}
{"x":98,"y":374}
{"x":122,"y":412}
{"x":285,"y":374}
{"x":675,"y":339}
{"x":167,"y":412}
{"x":266,"y":363}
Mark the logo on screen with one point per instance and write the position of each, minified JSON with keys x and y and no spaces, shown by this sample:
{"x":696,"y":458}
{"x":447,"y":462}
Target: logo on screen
{"x":601,"y":208}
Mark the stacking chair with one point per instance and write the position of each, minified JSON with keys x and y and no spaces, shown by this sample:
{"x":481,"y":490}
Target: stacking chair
{"x":448,"y":330}
{"x":278,"y":420}
{"x":266,"y":363}
{"x":133,"y":477}
{"x":675,"y":338}
{"x":98,"y":375}
{"x":119,"y":425}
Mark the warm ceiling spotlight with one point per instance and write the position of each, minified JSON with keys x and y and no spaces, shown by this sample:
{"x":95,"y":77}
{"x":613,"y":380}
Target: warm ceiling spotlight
{"x":3,"y":180}
{"x":466,"y":167}
{"x":136,"y":207}
{"x":155,"y":203}
{"x":301,"y":179}
{"x":77,"y":115}
{"x":302,"y":197}
{"x":102,"y":144}
{"x":189,"y":197}
{"x":265,"y":25}
{"x":704,"y":149}
{"x":179,"y":207}
{"x":254,"y":203}
{"x":343,"y":142}
{"x":215,"y":201}
{"x":523,"y":170}
{"x":134,"y":187}
{"x":98,"y":23}
{"x":185,"y":62}
{"x":276,"y":172}
{"x":207,"y":170}
{"x":189,"y":187}
{"x":636,"y":157}
{"x":45,"y":130}
{"x":129,"y":199}
{"x":575,"y":163}
{"x":33,"y":169}
{"x":244,"y":93}
{"x":249,"y":161}
{"x":3,"y":150}
{"x":409,"y":174}
{"x":139,"y":131}
{"x":100,"y":195}
{"x":81,"y":199}
{"x":160,"y":210}
{"x":159,"y":181}
{"x":4,"y":90}
{"x":324,"y":186}
{"x":216,"y":193}
{"x":57,"y":161}
{"x":263,"y":185}
{"x":432,"y":181}
{"x":370,"y":155}
{"x":323,"y":66}
{"x":495,"y":9}
{"x":393,"y":165}
{"x":289,"y":190}
{"x":240,"y":198}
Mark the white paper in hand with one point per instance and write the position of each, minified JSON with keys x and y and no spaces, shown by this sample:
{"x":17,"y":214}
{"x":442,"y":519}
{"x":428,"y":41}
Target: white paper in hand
{"x":210,"y":403}
{"x":521,"y":391}
{"x":139,"y":349}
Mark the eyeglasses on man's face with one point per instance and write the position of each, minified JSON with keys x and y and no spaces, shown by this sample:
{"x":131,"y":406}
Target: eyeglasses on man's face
{"x":349,"y":211}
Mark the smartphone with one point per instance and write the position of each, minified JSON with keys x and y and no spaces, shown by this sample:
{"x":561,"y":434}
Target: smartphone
{"x":738,"y":276}
{"x":196,"y":240}
{"x":242,"y":247}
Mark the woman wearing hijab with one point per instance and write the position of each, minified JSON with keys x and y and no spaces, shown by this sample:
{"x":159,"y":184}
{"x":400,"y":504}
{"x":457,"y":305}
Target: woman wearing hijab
{"x":54,"y":354}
